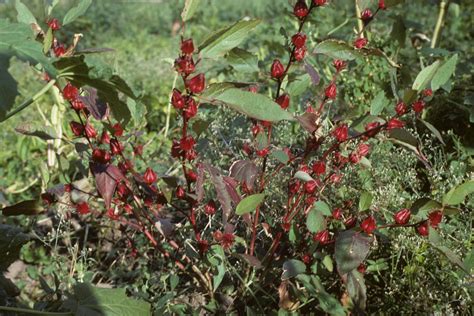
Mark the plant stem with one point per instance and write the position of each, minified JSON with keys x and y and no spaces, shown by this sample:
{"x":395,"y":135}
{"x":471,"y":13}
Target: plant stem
{"x":439,"y":23}
{"x":360,"y":24}
{"x":33,"y":312}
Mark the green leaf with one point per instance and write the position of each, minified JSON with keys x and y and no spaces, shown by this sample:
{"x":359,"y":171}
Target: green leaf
{"x":242,"y":60}
{"x":280,"y":155}
{"x":91,"y":301}
{"x":8,"y":87}
{"x":48,"y":41}
{"x":423,"y":206}
{"x":292,"y":268}
{"x":444,"y":72}
{"x":425,"y":76}
{"x":433,"y":130}
{"x":29,"y":207}
{"x":11,"y":241}
{"x":399,"y":31}
{"x":437,"y":242}
{"x":220,"y":42}
{"x":351,"y":249}
{"x":337,"y":49}
{"x":379,"y":103}
{"x":24,"y":14}
{"x":43,"y":132}
{"x":303,"y":176}
{"x":457,"y":194}
{"x":391,"y":3}
{"x":365,"y":201}
{"x":315,"y":221}
{"x":76,"y":11}
{"x":327,"y":262}
{"x":190,"y":7}
{"x":322,"y":207}
{"x":253,"y":105}
{"x":357,"y":289}
{"x":249,"y":203}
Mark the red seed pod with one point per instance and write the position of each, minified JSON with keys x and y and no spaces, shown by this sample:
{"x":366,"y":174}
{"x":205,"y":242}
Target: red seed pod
{"x":306,"y":258}
{"x":435,"y":218}
{"x":180,"y":192}
{"x":372,"y":128}
{"x":319,"y":2}
{"x":361,"y":268}
{"x":402,"y":217}
{"x":125,"y":166}
{"x":227,"y":240}
{"x":331,"y":91}
{"x":176,"y":151}
{"x":184,"y":65}
{"x":427,"y":93}
{"x":277,"y":70}
{"x":149,"y":177}
{"x":310,"y":186}
{"x":123,"y":191}
{"x":266,"y":124}
{"x":401,"y":108}
{"x":301,"y":9}
{"x":90,"y":131}
{"x":350,"y":222}
{"x":247,"y":149}
{"x":354,"y":157}
{"x":319,"y":167}
{"x":54,"y":24}
{"x":187,"y":46}
{"x":360,"y":43}
{"x":337,"y":213}
{"x":256,"y":129}
{"x":83,"y":208}
{"x":113,"y":214}
{"x":101,"y":156}
{"x":335,"y":178}
{"x":68,"y":187}
{"x":70,"y":92}
{"x":138,"y":150}
{"x":418,"y":106}
{"x":196,"y":84}
{"x":78,"y":105}
{"x":190,"y":155}
{"x":118,"y":129}
{"x":210,"y":208}
{"x":191,"y":176}
{"x":177,"y":99}
{"x":423,"y":229}
{"x":76,"y":128}
{"x":363,"y":150}
{"x":368,"y":225}
{"x":341,"y":133}
{"x":382,"y":5}
{"x":187,"y":143}
{"x":116,"y":147}
{"x":191,"y":109}
{"x":48,"y":198}
{"x":299,"y":39}
{"x":262,"y":152}
{"x":299,"y":53}
{"x":339,"y":64}
{"x":395,"y":123}
{"x":366,"y":16}
{"x":322,"y":237}
{"x":284,"y":101}
{"x":294,"y":187}
{"x":59,"y":50}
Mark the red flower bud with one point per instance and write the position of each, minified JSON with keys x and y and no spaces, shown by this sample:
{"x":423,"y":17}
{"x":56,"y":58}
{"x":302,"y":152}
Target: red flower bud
{"x":427,"y":93}
{"x":54,"y":24}
{"x":125,"y":166}
{"x":227,"y":240}
{"x":187,"y":143}
{"x":418,"y":106}
{"x":83,"y":208}
{"x":341,"y":133}
{"x":360,"y":42}
{"x":180,"y":192}
{"x":382,"y":5}
{"x":113,"y":214}
{"x":395,"y":123}
{"x":77,"y":128}
{"x":59,"y":50}
{"x":262,"y":152}
{"x":366,"y":16}
{"x":372,"y":128}
{"x":331,"y":91}
{"x":278,"y":70}
{"x":368,"y":225}
{"x":191,"y":109}
{"x":299,"y":53}
{"x":138,"y":150}
{"x":361,"y":268}
{"x":175,"y":149}
{"x":70,"y":92}
{"x":306,"y":258}
{"x":402,"y":217}
{"x":90,"y":131}
{"x":78,"y":105}
{"x":196,"y":84}
{"x":118,"y":130}
{"x":294,"y":187}
{"x":310,"y":186}
{"x":283,"y":101}
{"x":435,"y":218}
{"x":177,"y":99}
{"x":401,"y":108}
{"x":184,"y":65}
{"x":350,"y":222}
{"x":123,"y":191}
{"x":149,"y":176}
{"x":319,"y":167}
{"x":354,"y":157}
{"x":210,"y":208}
{"x":423,"y":229}
{"x":116,"y":147}
{"x":319,"y":2}
{"x":363,"y":149}
{"x":322,"y":237}
{"x":48,"y":198}
{"x":337,"y":213}
{"x":191,"y":176}
{"x":339,"y":64}
{"x":301,"y":9}
{"x":100,"y":156}
{"x":299,"y":39}
{"x":187,"y":46}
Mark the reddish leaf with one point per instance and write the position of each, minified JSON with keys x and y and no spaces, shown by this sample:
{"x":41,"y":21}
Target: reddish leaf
{"x":308,"y":122}
{"x":98,"y":108}
{"x":231,"y":187}
{"x":244,"y":171}
{"x":200,"y":182}
{"x":222,"y":194}
{"x":106,"y":178}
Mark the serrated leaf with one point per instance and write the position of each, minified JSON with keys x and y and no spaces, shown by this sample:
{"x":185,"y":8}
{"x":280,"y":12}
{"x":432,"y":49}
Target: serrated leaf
{"x":253,"y":105}
{"x":88,"y":300}
{"x":425,"y":76}
{"x":365,"y":201}
{"x":379,"y":103}
{"x":190,"y":7}
{"x":315,"y":221}
{"x":292,"y":268}
{"x":457,"y":194}
{"x":351,"y":249}
{"x":249,"y":203}
{"x":337,"y":49}
{"x":76,"y":11}
{"x":225,"y":39}
{"x":24,"y":14}
{"x":444,"y":72}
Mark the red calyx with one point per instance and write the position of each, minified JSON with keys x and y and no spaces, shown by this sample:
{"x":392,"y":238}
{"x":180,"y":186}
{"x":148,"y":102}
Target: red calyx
{"x":363,"y":150}
{"x":78,"y":105}
{"x":319,"y":167}
{"x":180,"y":192}
{"x":301,"y":9}
{"x":368,"y":225}
{"x":116,"y":147}
{"x":83,"y":208}
{"x":187,"y":143}
{"x":210,"y":208}
{"x":341,"y":133}
{"x":100,"y":156}
{"x":191,"y":109}
{"x":299,"y":39}
{"x":184,"y":65}
{"x":149,"y":177}
{"x":262,"y":152}
{"x":350,"y":222}
{"x":196,"y":84}
{"x":360,"y":42}
{"x":423,"y":229}
{"x":366,"y":16}
{"x":177,"y":99}
{"x":118,"y":129}
{"x":395,"y":123}
{"x":70,"y":92}
{"x":401,"y":108}
{"x":427,"y":93}
{"x":283,"y":101}
{"x":418,"y":106}
{"x":105,"y":138}
{"x":299,"y":53}
{"x":322,"y":237}
{"x":59,"y":50}
{"x":54,"y":24}
{"x":339,"y":64}
{"x":402,"y":217}
{"x":191,"y":176}
{"x":187,"y":46}
{"x":77,"y":128}
{"x":331,"y":91}
{"x":90,"y":131}
{"x":435,"y":218}
{"x":319,"y":2}
{"x":382,"y":5}
{"x":372,"y":129}
{"x":310,"y":186}
{"x":337,"y":213}
{"x":277,"y":70}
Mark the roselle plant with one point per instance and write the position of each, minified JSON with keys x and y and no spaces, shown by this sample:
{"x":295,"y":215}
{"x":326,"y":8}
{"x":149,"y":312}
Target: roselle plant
{"x":227,"y":235}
